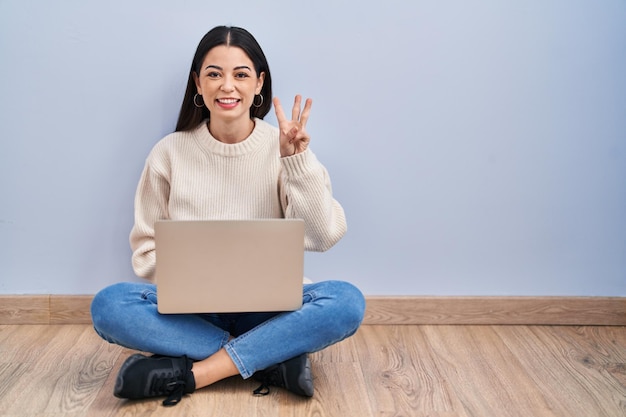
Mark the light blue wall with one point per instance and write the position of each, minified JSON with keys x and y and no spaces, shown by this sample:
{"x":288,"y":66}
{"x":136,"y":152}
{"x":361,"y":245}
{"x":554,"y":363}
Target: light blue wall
{"x":478,"y":147}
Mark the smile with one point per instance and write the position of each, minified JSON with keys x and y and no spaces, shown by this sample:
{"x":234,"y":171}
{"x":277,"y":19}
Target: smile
{"x":228,"y":100}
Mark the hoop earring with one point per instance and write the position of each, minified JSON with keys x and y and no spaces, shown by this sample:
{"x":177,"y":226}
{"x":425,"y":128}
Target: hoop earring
{"x":195,"y":103}
{"x":260,"y":104}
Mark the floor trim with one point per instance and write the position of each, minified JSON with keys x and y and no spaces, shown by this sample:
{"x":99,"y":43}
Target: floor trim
{"x":600,"y":311}
{"x":597,"y":311}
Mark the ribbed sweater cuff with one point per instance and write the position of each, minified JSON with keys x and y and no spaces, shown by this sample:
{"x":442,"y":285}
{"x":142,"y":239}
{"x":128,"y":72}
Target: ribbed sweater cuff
{"x":301,"y":163}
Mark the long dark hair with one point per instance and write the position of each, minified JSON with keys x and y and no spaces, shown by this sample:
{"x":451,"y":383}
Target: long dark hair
{"x":190,"y":115}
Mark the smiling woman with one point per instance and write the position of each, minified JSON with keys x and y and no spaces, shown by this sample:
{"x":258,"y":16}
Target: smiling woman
{"x":223,"y":150}
{"x":245,"y":47}
{"x":228,"y":86}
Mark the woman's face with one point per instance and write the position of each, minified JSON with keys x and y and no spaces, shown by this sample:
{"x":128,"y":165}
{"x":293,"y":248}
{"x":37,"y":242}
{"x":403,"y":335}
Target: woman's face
{"x":228,"y":83}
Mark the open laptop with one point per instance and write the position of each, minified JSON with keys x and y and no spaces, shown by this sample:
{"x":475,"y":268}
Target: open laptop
{"x":224,"y":266}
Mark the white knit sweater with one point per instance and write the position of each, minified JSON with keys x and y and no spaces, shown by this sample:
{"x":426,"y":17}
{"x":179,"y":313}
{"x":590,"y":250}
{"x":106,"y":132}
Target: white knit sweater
{"x":193,"y":176}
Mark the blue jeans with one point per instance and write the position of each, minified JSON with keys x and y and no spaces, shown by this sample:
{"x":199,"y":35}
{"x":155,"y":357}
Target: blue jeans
{"x":126,"y":314}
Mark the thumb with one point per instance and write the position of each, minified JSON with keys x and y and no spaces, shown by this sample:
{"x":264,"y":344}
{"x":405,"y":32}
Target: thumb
{"x":292,"y":133}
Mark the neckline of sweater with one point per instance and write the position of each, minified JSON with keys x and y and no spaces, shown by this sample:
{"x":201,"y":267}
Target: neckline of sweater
{"x":257,"y":138}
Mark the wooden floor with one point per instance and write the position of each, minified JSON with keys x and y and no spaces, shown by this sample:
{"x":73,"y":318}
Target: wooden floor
{"x":435,"y":371}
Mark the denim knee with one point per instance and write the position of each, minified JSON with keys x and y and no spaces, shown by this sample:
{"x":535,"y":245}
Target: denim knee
{"x":352,"y":304}
{"x":108,"y":305}
{"x":348,"y":306}
{"x":101,"y":306}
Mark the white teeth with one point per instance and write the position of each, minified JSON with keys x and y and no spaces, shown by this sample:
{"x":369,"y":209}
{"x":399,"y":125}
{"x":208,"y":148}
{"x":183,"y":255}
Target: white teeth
{"x":228,"y":100}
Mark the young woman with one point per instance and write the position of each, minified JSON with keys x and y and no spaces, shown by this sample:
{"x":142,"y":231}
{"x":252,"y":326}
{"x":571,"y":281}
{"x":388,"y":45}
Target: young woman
{"x":225,"y":162}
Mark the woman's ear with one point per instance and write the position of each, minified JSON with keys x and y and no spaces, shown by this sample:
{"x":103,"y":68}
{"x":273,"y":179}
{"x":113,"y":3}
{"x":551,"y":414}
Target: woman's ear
{"x":259,"y":83}
{"x":197,"y":81}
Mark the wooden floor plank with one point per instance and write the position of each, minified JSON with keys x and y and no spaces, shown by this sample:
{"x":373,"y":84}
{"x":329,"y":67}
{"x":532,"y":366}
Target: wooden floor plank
{"x":232,"y":397}
{"x":65,"y":375}
{"x":399,"y":378}
{"x":383,"y":371}
{"x":340,"y":391}
{"x":486,"y":378}
{"x":581,"y":356}
{"x":25,"y":343}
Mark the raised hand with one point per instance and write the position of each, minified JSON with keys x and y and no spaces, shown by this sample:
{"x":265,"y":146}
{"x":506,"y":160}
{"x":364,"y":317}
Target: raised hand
{"x":293,"y":136}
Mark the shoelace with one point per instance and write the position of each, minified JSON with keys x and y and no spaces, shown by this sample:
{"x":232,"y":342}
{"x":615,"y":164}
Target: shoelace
{"x":262,"y":390}
{"x":172,"y":385}
{"x":271,"y":377}
{"x":178,"y":389}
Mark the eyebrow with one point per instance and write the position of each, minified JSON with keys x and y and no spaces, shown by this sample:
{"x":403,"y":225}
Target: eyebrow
{"x":235,"y":69}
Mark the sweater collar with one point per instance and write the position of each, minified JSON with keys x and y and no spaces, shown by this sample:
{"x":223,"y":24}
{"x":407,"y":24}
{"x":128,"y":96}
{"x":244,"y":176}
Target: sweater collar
{"x":257,"y":138}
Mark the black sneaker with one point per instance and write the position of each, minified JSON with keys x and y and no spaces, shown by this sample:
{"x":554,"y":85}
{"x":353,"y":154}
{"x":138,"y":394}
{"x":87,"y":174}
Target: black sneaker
{"x":293,"y":375}
{"x":143,"y":377}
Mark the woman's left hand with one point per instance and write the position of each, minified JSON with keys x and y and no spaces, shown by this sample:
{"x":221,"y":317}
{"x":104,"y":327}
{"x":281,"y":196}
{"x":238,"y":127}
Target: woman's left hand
{"x":293,"y":136}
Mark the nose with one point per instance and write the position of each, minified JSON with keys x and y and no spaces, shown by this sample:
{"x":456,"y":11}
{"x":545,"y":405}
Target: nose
{"x":228,"y":85}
